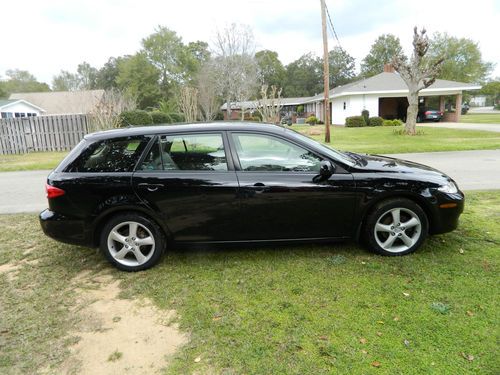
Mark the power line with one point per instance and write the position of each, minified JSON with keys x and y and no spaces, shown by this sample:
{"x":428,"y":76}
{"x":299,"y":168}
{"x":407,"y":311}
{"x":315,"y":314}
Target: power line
{"x":331,"y":26}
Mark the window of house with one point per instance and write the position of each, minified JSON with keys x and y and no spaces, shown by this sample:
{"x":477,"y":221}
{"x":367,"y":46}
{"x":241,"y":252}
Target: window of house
{"x":110,"y":155}
{"x":189,"y":152}
{"x":259,"y":152}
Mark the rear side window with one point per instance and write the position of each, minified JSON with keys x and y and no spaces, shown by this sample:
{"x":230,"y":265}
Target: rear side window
{"x":190,"y":152}
{"x":110,"y":155}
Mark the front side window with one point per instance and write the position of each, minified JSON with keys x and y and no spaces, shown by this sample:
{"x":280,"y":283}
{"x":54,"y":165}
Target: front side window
{"x":189,"y":152}
{"x":259,"y":152}
{"x":110,"y":155}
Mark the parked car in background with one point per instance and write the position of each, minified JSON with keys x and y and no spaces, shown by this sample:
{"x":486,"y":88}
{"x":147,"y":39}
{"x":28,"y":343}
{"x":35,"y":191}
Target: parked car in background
{"x":465,"y":108}
{"x":426,"y":114}
{"x":136,"y":192}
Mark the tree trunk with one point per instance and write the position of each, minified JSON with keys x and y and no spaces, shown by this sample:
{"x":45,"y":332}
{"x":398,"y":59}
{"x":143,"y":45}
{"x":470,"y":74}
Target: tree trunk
{"x":412,"y":112}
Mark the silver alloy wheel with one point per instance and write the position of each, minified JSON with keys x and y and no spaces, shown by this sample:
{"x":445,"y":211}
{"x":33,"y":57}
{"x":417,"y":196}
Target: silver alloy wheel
{"x":131,"y":243}
{"x":397,"y":230}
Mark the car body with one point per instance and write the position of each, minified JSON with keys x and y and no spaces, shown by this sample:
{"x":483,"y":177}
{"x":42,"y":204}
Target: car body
{"x":427,"y":114}
{"x":240,"y":183}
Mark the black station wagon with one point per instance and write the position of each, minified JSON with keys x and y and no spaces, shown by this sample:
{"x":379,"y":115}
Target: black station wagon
{"x":134,"y":192}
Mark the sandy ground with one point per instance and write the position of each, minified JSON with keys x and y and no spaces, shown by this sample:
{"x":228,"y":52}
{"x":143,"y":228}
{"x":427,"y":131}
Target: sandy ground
{"x":118,"y":336}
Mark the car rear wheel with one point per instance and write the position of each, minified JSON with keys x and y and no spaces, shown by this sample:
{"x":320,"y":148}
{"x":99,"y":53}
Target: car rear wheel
{"x":132,"y":242}
{"x":396,"y":227}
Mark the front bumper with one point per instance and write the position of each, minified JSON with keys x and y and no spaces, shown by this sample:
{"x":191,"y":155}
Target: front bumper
{"x":447,"y":211}
{"x":64,"y":229}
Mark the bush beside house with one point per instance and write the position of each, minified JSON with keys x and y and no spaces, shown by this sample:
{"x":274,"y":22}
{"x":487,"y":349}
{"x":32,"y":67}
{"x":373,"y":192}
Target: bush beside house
{"x":312,"y":120}
{"x":392,"y":123}
{"x":355,"y":122}
{"x":375,"y":121}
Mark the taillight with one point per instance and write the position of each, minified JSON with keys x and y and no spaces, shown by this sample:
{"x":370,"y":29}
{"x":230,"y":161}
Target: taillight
{"x":428,"y":113}
{"x":53,"y":192}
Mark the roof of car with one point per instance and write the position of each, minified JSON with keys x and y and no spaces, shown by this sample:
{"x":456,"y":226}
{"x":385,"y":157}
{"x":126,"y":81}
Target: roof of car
{"x":174,"y":128}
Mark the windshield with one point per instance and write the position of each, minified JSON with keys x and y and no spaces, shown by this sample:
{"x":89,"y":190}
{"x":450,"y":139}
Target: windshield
{"x":326,"y":149}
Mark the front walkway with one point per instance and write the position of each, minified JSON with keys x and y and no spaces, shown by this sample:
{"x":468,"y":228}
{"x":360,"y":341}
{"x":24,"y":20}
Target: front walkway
{"x":460,"y":125}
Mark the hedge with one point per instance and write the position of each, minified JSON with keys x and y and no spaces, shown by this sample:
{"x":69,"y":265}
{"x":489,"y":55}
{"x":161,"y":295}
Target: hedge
{"x":160,"y":117}
{"x":312,"y":120}
{"x":392,"y":123}
{"x":375,"y":121}
{"x":135,"y":117}
{"x":355,"y":122}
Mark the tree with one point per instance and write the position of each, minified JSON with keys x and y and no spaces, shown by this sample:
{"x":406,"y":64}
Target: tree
{"x":270,"y":104}
{"x":106,"y":114}
{"x":492,"y":88}
{"x":271,"y":70}
{"x":107,"y":75}
{"x":165,"y":50}
{"x":418,"y":73}
{"x":235,"y":63}
{"x":341,"y":66}
{"x":87,"y":76}
{"x":304,"y":76}
{"x":188,"y":103}
{"x":65,"y":81}
{"x":21,"y":81}
{"x":382,"y":51}
{"x":463,"y":60}
{"x":208,"y":98}
{"x":139,"y":78}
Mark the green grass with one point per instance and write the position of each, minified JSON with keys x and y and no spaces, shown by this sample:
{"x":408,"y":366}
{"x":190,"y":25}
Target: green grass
{"x":481,"y":118}
{"x":383,"y":140}
{"x":31,"y":161}
{"x":313,"y":309}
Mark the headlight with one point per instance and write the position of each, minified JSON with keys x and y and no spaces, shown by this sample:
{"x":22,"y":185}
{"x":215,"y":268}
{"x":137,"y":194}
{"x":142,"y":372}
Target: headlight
{"x":449,"y":188}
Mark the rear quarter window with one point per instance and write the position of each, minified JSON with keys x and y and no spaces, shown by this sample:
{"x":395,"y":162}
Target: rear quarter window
{"x":110,"y":155}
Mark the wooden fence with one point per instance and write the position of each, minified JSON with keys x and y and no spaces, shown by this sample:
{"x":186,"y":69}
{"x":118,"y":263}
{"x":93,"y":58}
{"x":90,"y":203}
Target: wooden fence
{"x":41,"y":133}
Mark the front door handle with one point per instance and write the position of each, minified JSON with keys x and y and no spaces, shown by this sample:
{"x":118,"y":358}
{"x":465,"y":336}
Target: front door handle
{"x":259,"y":187}
{"x":150,"y":187}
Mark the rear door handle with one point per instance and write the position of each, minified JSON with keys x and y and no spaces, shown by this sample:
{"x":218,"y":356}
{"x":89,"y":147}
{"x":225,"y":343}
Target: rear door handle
{"x":259,"y":187}
{"x":150,"y":187}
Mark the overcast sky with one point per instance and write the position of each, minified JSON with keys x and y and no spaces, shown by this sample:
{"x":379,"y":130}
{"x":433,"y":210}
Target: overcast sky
{"x":45,"y":36}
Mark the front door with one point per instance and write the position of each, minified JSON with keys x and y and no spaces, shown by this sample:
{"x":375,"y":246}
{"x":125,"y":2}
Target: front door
{"x":190,"y":182}
{"x":281,"y":196}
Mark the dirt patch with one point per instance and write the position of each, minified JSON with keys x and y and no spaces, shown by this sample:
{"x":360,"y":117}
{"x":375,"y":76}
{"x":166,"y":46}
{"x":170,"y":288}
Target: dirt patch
{"x":11,"y":270}
{"x":119,"y":336}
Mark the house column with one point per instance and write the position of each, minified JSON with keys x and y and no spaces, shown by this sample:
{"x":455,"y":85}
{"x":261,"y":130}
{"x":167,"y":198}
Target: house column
{"x":458,"y":107}
{"x":441,"y":103}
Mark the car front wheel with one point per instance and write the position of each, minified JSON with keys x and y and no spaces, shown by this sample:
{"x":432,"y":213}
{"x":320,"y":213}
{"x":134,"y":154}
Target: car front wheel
{"x":132,"y":242}
{"x":396,"y":227}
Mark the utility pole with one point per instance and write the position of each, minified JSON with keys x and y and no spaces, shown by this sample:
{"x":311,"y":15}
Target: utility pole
{"x":326,"y":73}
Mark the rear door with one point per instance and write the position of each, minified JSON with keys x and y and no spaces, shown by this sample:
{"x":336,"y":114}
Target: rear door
{"x":190,"y":181}
{"x":281,"y":196}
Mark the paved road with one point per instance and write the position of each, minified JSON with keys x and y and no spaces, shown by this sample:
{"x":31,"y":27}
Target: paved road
{"x":460,"y":125}
{"x":473,"y":170}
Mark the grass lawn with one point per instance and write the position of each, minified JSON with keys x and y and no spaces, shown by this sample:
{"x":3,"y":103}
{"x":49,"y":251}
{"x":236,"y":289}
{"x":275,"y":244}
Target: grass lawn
{"x":383,"y":140}
{"x":31,"y":161}
{"x":312,"y":309}
{"x":481,"y":118}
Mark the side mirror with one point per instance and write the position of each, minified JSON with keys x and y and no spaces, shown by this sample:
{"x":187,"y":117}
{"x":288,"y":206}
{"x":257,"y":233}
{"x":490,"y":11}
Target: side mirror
{"x":326,"y":169}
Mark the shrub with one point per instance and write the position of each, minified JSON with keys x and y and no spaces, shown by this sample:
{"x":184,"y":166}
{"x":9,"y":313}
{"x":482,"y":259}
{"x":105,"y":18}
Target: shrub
{"x":366,"y":115}
{"x":395,"y":122}
{"x":376,"y":121}
{"x":300,"y":108}
{"x":254,"y":118}
{"x":135,"y":117}
{"x":160,"y":117}
{"x":177,"y":117}
{"x":497,"y":106}
{"x":312,"y":120}
{"x":355,"y":122}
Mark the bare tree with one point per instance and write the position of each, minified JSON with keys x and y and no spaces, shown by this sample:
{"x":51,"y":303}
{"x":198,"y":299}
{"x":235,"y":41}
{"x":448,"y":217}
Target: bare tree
{"x":188,"y":103}
{"x":208,"y":98}
{"x":270,"y":104}
{"x":234,"y":50}
{"x":418,"y":73}
{"x":105,"y":114}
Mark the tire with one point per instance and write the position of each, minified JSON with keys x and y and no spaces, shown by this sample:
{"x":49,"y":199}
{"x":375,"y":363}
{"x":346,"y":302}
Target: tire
{"x":384,"y":236}
{"x":132,"y":242}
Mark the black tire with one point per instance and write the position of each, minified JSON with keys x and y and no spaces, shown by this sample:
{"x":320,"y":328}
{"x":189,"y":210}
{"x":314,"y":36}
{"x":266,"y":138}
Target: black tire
{"x":146,"y":229}
{"x":382,"y":211}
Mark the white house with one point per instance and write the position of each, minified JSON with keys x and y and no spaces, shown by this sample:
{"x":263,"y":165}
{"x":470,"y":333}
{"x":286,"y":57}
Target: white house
{"x":19,"y":108}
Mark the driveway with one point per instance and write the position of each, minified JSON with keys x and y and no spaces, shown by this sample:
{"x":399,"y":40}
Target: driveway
{"x":459,"y":125}
{"x":473,"y":170}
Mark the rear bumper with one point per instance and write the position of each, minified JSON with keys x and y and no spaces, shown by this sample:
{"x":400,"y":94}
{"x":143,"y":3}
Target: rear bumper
{"x":64,"y":229}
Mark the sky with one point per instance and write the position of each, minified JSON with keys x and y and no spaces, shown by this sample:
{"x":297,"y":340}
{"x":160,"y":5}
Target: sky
{"x":47,"y":36}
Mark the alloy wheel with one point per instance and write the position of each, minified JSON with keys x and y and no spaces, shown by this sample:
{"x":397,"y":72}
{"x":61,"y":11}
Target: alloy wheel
{"x":397,"y":230}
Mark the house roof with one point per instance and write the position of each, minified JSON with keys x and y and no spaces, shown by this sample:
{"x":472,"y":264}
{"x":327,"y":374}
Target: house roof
{"x":4,"y":103}
{"x":392,"y":83}
{"x":63,"y":102}
{"x":253,"y":104}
